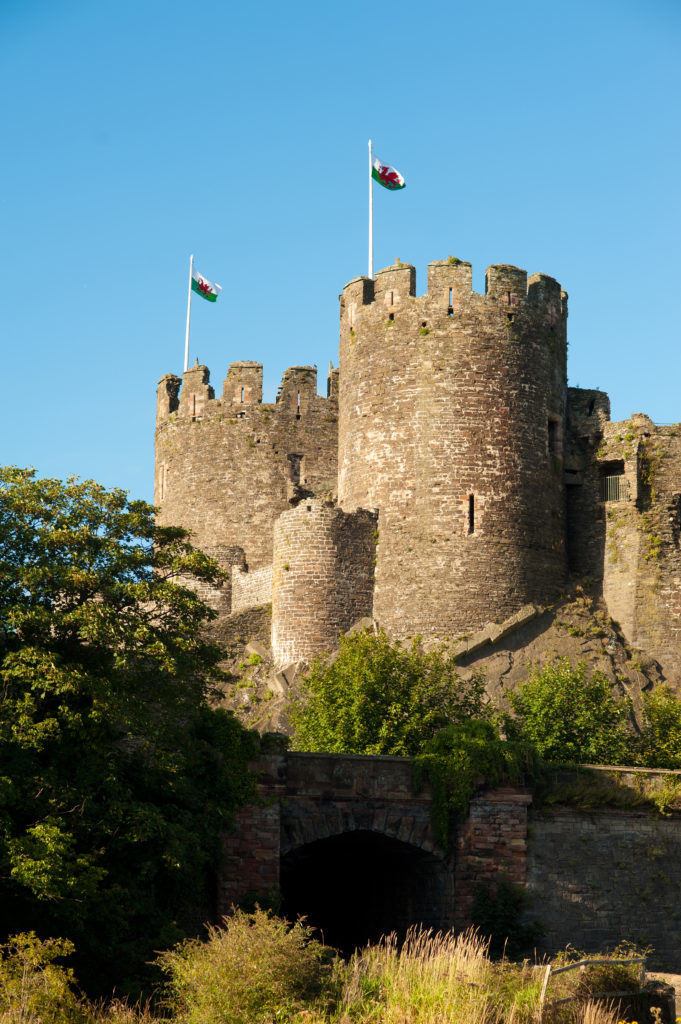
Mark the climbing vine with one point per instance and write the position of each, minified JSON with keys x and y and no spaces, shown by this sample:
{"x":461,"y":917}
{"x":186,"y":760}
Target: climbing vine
{"x":461,"y":757}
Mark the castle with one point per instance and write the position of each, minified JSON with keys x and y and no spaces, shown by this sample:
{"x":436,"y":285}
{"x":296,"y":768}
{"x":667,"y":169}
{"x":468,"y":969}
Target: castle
{"x":448,"y":478}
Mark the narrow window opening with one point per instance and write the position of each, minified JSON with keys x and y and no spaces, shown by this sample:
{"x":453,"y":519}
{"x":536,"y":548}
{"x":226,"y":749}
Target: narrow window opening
{"x":162,"y":482}
{"x":510,"y":317}
{"x":391,"y":316}
{"x":508,"y":298}
{"x":424,"y":323}
{"x":450,"y":311}
{"x":471,"y":513}
{"x":194,"y":407}
{"x":590,"y":411}
{"x":451,"y":296}
{"x":242,"y":394}
{"x":298,"y":405}
{"x":391,"y":299}
{"x":553,"y":436}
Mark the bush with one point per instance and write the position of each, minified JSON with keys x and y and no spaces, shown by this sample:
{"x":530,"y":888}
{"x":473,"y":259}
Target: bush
{"x":378,"y":697}
{"x":256,"y":968}
{"x":572,"y":717}
{"x":660,"y":742}
{"x":33,"y":988}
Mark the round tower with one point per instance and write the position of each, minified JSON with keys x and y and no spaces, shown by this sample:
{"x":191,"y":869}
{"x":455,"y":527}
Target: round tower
{"x":322,"y":577}
{"x":451,"y":422}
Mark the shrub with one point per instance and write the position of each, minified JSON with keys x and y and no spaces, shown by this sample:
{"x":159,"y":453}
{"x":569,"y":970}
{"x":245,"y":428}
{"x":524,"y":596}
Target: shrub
{"x":257,"y":968}
{"x":33,"y":988}
{"x":378,"y":697}
{"x":572,"y":717}
{"x":660,"y":742}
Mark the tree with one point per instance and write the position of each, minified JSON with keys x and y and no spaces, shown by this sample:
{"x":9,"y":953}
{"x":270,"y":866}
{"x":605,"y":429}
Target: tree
{"x":116,"y":775}
{"x":571,"y":716}
{"x":378,"y":697}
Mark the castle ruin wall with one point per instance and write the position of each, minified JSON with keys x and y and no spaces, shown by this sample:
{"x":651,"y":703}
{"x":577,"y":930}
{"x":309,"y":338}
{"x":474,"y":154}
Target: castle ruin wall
{"x":251,"y":589}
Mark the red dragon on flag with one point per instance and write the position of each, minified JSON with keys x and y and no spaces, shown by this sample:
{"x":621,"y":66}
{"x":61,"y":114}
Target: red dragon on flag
{"x":386,"y":176}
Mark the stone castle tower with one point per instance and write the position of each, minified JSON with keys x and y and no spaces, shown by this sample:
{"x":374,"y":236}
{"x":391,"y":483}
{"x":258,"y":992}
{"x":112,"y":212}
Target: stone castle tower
{"x":448,"y":478}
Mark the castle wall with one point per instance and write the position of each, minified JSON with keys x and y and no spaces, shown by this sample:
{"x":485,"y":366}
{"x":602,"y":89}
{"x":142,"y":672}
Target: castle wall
{"x":451,"y":422}
{"x":601,"y":876}
{"x":322,"y":578}
{"x":642,"y":559}
{"x":251,"y":589}
{"x":226,"y":467}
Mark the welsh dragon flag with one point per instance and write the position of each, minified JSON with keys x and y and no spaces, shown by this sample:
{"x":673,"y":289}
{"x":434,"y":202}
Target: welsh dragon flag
{"x":386,"y":176}
{"x":202,"y":286}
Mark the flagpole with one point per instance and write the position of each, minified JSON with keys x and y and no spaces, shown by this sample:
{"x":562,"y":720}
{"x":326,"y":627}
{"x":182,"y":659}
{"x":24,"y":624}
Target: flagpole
{"x":371,"y":214}
{"x":189,"y":311}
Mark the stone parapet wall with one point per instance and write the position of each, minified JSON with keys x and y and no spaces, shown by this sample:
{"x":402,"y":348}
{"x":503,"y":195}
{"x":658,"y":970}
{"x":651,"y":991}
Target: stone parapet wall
{"x":251,"y":589}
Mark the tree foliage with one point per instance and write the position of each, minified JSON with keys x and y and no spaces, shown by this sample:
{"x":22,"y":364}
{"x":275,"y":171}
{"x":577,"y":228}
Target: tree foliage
{"x":572,"y":716}
{"x":116,"y":776}
{"x":378,"y":697}
{"x":660,"y":741}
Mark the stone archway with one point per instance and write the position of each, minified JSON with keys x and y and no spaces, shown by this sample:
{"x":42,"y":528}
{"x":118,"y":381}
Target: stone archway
{"x":357,"y":886}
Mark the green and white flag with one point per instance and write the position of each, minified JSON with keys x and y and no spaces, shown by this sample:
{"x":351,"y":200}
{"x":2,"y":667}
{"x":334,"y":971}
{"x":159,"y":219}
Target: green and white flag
{"x":202,"y":286}
{"x":386,"y":176}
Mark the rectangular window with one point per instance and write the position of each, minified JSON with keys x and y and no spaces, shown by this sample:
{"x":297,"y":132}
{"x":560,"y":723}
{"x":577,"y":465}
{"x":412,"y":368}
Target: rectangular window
{"x":471,"y":513}
{"x":613,"y":485}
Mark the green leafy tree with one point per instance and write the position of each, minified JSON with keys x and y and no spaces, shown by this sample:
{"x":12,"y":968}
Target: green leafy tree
{"x":116,"y":775}
{"x":660,"y":740}
{"x":378,"y":697}
{"x":572,"y":716}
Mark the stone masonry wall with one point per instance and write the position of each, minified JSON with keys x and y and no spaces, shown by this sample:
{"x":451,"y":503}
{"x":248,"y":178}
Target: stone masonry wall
{"x":226,"y":467}
{"x":309,"y":797}
{"x":594,"y":877}
{"x":322,"y":577}
{"x":597,"y":877}
{"x":251,"y":589}
{"x":642,"y":556}
{"x":451,"y":423}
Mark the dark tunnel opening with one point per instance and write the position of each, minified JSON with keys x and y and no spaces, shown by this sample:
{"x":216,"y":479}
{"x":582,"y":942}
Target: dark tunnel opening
{"x":358,"y":886}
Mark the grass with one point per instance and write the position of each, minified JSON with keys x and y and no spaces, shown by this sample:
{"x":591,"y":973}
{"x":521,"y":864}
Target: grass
{"x":259,"y":969}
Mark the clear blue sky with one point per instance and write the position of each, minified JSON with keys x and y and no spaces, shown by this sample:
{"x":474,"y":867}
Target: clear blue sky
{"x":544,"y":134}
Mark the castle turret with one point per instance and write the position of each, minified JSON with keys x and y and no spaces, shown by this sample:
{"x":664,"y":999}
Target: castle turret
{"x":451,"y":423}
{"x":322,"y":577}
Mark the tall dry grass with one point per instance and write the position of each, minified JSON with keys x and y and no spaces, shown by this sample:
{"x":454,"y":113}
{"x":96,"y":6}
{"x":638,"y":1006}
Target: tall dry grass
{"x":430,"y":979}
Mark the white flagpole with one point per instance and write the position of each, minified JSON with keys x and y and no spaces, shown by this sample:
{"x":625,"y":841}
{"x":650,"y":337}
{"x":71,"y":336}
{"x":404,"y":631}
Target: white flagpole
{"x":189,"y":311}
{"x":371,"y":214}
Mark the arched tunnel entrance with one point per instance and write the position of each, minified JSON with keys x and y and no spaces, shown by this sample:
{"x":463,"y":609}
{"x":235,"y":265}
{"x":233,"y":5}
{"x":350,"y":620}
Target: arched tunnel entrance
{"x":357,"y":886}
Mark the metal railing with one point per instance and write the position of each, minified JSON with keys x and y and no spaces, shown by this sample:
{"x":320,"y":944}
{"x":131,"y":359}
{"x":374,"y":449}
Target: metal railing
{"x":614,"y":488}
{"x":582,"y":965}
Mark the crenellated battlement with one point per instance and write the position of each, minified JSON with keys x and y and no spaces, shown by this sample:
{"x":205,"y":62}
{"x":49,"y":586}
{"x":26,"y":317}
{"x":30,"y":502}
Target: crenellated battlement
{"x":227,"y":466}
{"x":193,"y":397}
{"x":450,"y":284}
